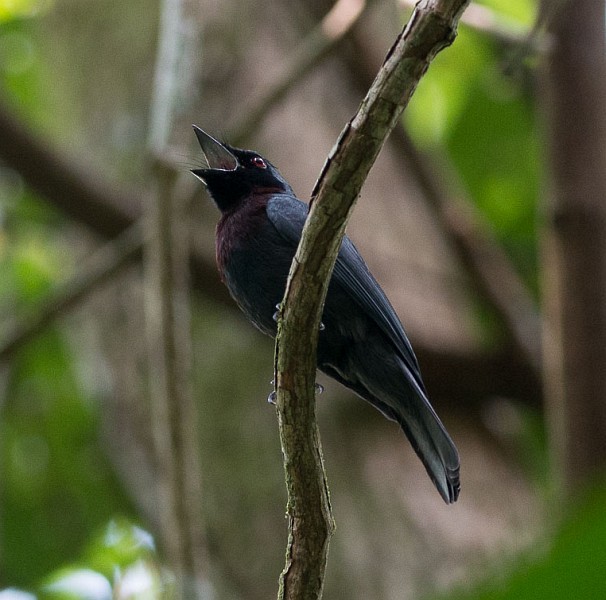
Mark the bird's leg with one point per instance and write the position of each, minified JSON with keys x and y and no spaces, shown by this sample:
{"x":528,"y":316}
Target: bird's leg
{"x":319,"y":388}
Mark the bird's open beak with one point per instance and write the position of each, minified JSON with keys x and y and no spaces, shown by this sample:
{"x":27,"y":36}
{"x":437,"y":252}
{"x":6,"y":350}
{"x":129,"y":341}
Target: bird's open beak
{"x":217,"y":155}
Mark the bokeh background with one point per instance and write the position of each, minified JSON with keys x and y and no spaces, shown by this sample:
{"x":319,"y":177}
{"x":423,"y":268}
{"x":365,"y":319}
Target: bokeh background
{"x":483,"y":220}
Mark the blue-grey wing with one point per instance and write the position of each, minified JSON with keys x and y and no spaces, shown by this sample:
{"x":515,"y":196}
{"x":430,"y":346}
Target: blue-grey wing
{"x":351,"y":274}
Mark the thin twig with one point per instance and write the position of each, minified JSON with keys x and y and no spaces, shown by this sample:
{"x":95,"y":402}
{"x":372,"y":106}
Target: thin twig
{"x":322,"y":40}
{"x":431,"y":28}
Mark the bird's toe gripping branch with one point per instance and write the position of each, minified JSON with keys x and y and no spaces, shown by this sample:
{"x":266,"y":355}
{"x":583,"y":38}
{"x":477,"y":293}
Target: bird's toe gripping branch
{"x":276,"y":316}
{"x":319,"y":388}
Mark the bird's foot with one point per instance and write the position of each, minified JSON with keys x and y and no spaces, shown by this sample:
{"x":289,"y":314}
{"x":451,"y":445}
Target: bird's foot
{"x":319,"y":388}
{"x":272,"y":396}
{"x":276,"y":316}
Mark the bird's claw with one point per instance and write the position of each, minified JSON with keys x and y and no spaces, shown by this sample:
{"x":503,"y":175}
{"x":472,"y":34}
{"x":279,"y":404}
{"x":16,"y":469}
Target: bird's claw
{"x":276,"y":315}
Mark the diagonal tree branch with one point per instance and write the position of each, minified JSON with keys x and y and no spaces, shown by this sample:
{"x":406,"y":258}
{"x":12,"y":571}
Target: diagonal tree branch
{"x":431,"y":28}
{"x":107,"y":209}
{"x":492,"y":273}
{"x":74,"y":192}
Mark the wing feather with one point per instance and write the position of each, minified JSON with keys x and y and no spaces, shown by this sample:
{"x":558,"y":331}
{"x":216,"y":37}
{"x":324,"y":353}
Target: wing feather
{"x":288,"y":215}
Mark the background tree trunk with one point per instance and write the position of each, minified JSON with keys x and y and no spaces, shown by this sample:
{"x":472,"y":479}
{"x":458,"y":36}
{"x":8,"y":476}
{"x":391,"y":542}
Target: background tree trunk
{"x":575,"y":242}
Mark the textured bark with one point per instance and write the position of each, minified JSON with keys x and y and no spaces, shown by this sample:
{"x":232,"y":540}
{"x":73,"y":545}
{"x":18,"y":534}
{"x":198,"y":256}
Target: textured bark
{"x":431,"y":28}
{"x":575,"y":243}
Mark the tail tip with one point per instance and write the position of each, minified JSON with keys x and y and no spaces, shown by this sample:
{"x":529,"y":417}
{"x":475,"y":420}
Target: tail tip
{"x":450,"y":491}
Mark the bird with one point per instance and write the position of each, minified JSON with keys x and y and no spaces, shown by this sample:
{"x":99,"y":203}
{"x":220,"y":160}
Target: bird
{"x":362,"y":343}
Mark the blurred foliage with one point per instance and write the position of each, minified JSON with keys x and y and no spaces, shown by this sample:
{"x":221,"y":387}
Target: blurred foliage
{"x":476,"y":104}
{"x":521,"y":12}
{"x":14,"y":9}
{"x":571,"y":566}
{"x":57,"y":486}
{"x":118,"y":563}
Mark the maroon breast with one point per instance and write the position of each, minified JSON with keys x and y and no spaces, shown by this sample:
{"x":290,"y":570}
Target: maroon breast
{"x":237,"y":226}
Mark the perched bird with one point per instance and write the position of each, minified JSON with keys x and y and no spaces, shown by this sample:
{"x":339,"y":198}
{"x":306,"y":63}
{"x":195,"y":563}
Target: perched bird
{"x":362,"y":343}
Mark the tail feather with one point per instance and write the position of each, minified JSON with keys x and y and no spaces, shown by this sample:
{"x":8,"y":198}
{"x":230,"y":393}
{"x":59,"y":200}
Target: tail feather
{"x":403,"y":400}
{"x":429,"y":438}
{"x":436,"y":450}
{"x":409,"y":407}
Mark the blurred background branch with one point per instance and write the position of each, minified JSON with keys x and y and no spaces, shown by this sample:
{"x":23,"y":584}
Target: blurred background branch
{"x":317,"y":44}
{"x":167,"y":314}
{"x":100,"y":267}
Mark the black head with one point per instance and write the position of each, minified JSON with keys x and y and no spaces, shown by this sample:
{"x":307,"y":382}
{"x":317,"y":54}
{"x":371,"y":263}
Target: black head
{"x":234,"y":175}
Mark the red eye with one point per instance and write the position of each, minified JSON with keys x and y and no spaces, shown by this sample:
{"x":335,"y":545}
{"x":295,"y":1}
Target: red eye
{"x":257,"y":161}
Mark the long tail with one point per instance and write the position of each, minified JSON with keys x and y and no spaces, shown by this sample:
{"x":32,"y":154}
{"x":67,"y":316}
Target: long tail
{"x":433,"y":446}
{"x":411,"y":409}
{"x":429,"y":439}
{"x":402,"y":398}
{"x":407,"y":404}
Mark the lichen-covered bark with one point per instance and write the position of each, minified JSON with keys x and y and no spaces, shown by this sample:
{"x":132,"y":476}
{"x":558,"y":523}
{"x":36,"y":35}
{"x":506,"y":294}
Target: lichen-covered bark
{"x":431,"y":28}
